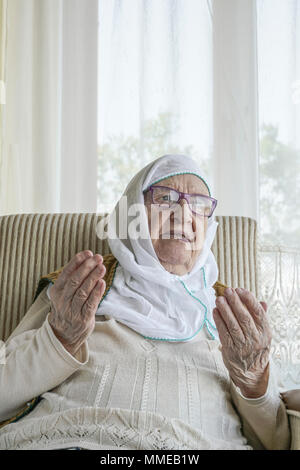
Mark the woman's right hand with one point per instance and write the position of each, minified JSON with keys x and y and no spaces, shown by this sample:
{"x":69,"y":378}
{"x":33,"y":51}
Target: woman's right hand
{"x":75,"y":297}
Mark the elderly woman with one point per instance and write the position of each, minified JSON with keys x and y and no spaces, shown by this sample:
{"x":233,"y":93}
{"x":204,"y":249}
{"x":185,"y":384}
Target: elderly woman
{"x":144,"y":348}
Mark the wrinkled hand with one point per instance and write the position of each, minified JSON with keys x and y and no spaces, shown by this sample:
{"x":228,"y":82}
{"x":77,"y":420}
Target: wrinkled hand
{"x":245,"y":335}
{"x":75,"y":297}
{"x":291,"y":399}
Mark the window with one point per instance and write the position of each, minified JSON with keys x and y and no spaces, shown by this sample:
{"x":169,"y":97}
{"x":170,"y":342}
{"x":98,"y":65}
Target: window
{"x":154,"y":97}
{"x":278,"y":28}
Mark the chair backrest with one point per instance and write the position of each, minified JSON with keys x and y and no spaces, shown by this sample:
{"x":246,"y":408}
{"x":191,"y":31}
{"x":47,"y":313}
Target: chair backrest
{"x":32,"y":245}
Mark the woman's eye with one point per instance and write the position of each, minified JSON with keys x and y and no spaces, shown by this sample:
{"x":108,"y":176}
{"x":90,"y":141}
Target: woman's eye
{"x":163,"y":198}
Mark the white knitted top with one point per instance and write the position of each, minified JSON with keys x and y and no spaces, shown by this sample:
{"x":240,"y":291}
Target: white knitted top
{"x":122,"y":391}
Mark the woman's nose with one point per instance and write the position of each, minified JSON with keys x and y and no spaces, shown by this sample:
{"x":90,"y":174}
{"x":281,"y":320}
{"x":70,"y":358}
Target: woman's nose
{"x":185,"y":209}
{"x":182,"y":202}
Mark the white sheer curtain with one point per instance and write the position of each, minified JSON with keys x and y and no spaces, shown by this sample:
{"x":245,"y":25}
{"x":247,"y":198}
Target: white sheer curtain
{"x":279,"y":124}
{"x":179,"y":76}
{"x":48,"y":161}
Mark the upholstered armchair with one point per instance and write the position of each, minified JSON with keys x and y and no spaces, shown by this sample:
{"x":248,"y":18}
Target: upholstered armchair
{"x":32,"y":245}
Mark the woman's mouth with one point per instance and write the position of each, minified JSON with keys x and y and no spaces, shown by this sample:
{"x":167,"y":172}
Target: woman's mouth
{"x":176,"y":236}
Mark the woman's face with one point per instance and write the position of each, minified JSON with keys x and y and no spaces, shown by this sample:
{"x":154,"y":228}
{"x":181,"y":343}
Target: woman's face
{"x":177,"y":255}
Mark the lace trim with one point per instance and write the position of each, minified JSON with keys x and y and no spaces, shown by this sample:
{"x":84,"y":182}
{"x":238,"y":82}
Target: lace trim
{"x":108,"y":429}
{"x":112,"y":437}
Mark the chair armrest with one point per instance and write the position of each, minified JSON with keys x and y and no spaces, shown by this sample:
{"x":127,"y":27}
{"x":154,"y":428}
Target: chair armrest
{"x":294,"y":420}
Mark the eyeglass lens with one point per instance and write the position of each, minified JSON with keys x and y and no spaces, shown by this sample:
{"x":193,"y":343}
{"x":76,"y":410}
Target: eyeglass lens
{"x":166,"y":198}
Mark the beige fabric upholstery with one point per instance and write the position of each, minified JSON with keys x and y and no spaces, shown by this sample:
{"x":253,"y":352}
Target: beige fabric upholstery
{"x":32,"y":245}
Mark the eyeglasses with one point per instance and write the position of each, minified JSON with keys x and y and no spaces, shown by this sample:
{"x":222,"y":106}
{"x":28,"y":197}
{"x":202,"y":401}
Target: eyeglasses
{"x":166,"y":197}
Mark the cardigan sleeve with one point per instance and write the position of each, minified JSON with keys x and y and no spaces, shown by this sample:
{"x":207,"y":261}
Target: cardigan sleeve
{"x":35,"y":361}
{"x":264,"y":420}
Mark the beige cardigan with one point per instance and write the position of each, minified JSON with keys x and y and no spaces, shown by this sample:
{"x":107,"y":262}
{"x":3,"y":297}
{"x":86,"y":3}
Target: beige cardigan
{"x":122,"y":391}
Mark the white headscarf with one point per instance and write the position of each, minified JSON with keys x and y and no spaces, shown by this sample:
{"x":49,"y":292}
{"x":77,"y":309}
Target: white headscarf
{"x":144,"y":295}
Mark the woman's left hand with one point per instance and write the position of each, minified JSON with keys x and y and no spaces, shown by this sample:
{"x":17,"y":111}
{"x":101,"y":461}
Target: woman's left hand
{"x":245,"y":335}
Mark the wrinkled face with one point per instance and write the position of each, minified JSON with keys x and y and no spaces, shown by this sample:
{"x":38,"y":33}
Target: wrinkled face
{"x":177,"y":235}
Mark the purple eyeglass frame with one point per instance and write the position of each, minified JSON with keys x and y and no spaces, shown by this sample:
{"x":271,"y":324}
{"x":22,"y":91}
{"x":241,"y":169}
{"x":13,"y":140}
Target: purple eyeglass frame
{"x":185,"y":196}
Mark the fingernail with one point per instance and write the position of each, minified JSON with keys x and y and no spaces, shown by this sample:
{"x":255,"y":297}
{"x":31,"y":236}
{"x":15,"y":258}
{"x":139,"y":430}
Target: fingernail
{"x":240,"y":290}
{"x":229,"y":291}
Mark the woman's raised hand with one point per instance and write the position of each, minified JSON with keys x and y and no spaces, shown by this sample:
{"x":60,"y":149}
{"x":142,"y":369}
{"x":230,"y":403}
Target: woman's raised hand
{"x":75,"y":297}
{"x":245,"y":335}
